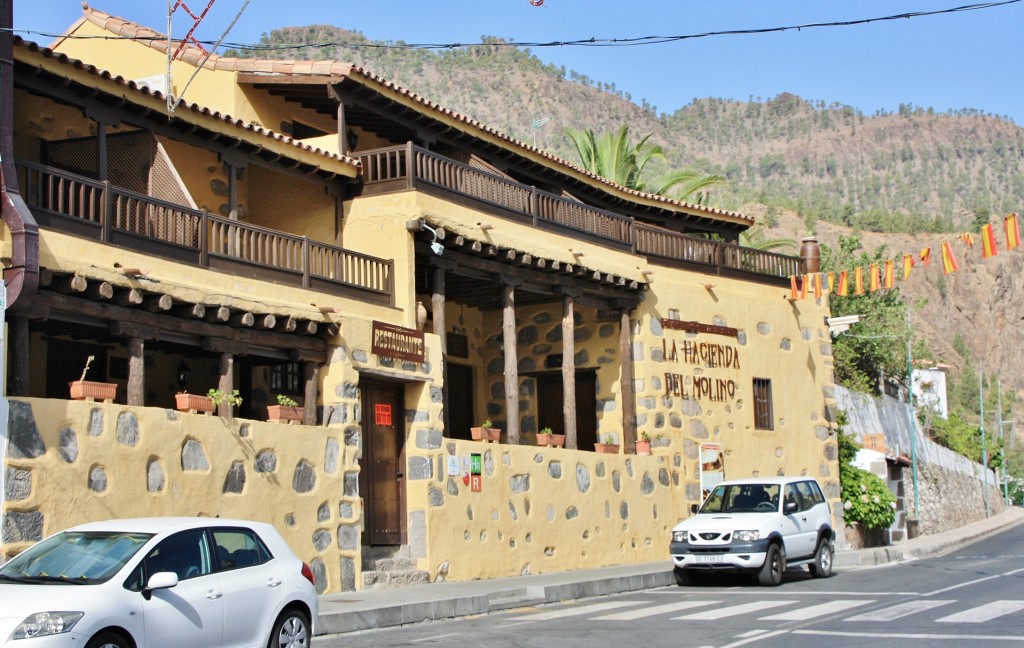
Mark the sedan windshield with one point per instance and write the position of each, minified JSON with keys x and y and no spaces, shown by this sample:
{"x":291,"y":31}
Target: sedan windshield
{"x":74,"y":557}
{"x":742,"y":498}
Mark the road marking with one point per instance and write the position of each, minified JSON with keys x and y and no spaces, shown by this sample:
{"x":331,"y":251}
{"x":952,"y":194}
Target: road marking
{"x":889,"y":636}
{"x":451,"y":634}
{"x":733,"y":610}
{"x":960,"y":585}
{"x":757,"y":637}
{"x":984,"y":613}
{"x":578,"y":611}
{"x":815,"y":611}
{"x":899,"y":611}
{"x":630,"y":615}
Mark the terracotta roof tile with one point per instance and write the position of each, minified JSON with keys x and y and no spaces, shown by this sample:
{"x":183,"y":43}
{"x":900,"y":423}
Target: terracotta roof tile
{"x":339,"y":69}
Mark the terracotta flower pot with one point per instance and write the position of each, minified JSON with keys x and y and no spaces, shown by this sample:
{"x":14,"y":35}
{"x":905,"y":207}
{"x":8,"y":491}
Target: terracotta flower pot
{"x":485,"y":434}
{"x":194,"y":403}
{"x":556,"y":440}
{"x":291,"y":414}
{"x":643,"y":447}
{"x":607,"y":448}
{"x":88,"y":390}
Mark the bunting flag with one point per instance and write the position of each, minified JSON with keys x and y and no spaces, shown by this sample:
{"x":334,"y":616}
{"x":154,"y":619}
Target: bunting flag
{"x":988,"y":241}
{"x":908,"y":265}
{"x":831,"y":288}
{"x":949,"y":263}
{"x":843,"y":288}
{"x":874,"y":279}
{"x":926,"y":256}
{"x":967,"y":238}
{"x":817,"y":285}
{"x":792,"y":288}
{"x":803,"y":286}
{"x":858,"y":281}
{"x":889,"y":280}
{"x":1012,"y":231}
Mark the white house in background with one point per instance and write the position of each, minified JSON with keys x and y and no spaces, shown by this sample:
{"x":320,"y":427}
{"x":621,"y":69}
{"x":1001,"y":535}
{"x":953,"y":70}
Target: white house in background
{"x":930,"y":389}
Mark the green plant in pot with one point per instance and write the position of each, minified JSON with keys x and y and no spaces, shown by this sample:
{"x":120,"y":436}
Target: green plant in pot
{"x":547,"y":437}
{"x":485,"y":432}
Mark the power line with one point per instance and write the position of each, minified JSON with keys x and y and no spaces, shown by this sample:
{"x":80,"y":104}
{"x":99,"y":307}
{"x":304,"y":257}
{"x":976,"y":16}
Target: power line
{"x":586,"y":42}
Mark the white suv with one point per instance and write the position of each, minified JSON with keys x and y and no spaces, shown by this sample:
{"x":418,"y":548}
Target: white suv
{"x":759,"y":526}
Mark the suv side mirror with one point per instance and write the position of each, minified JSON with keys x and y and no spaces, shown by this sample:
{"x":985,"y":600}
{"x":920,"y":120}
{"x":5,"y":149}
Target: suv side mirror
{"x":693,"y":509}
{"x":789,"y":508}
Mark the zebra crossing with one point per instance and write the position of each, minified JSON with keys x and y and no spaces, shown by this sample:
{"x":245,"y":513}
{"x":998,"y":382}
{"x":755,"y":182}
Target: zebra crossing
{"x":780,"y":610}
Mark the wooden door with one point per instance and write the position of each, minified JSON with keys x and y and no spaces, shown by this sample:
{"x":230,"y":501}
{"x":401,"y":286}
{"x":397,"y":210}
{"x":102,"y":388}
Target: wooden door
{"x":551,"y":410}
{"x":383,"y":470}
{"x":460,"y":402}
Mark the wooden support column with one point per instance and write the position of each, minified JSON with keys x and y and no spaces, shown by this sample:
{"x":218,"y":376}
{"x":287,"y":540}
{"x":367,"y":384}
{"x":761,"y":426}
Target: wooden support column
{"x":508,"y":328}
{"x":309,"y":377}
{"x":226,"y":383}
{"x":19,"y":374}
{"x":437,"y":301}
{"x":569,"y":366}
{"x":136,"y":371}
{"x":626,"y":382}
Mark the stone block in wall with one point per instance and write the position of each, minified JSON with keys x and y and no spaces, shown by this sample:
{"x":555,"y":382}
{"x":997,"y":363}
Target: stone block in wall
{"x":266,"y":461}
{"x":23,"y":526}
{"x":418,"y":534}
{"x":319,"y":575}
{"x":420,"y":468}
{"x":24,"y":440}
{"x":155,"y":477}
{"x":348,"y":575}
{"x":17,"y":484}
{"x":429,"y":439}
{"x":304,"y":478}
{"x":582,"y":478}
{"x":128,"y":429}
{"x":193,"y":457}
{"x":332,"y":456}
{"x":67,"y":445}
{"x":235,"y":480}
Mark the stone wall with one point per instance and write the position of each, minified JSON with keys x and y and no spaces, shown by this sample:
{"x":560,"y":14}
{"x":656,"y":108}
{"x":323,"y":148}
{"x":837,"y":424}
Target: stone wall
{"x":70,"y":462}
{"x":949,"y":499}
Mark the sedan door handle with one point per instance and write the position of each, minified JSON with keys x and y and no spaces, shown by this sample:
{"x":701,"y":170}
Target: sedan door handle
{"x":273,"y":582}
{"x":214,"y":595}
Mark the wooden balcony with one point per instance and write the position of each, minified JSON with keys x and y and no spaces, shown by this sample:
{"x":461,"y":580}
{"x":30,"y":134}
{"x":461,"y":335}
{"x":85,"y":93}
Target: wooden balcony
{"x":400,"y":168}
{"x":95,"y":210}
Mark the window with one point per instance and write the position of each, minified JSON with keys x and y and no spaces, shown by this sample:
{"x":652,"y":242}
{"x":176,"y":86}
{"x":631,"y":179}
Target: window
{"x":187,"y":554}
{"x":286,"y":378}
{"x":238,"y":548}
{"x":764,"y":419}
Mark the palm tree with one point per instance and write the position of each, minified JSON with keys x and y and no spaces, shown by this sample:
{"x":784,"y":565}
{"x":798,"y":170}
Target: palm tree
{"x":614,"y":157}
{"x":754,"y":238}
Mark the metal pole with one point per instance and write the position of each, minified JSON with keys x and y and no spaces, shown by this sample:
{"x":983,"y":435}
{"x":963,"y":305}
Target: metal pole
{"x":1002,"y":435}
{"x":981,"y":411}
{"x":913,"y":424}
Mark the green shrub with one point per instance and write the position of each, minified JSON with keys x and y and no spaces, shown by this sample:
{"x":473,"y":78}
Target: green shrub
{"x":866,"y":499}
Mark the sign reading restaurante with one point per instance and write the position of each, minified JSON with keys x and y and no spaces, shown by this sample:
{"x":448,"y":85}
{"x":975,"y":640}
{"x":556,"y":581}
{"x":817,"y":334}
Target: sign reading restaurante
{"x":397,"y":342}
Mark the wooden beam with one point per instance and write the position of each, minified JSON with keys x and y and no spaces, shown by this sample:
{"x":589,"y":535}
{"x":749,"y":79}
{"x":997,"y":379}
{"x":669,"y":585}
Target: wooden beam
{"x":309,"y":380}
{"x":226,"y":383}
{"x":286,"y":324}
{"x":569,"y":370}
{"x":626,"y":375}
{"x":265,"y":322}
{"x":136,"y":372}
{"x":307,"y":327}
{"x":218,"y":314}
{"x":242,"y":319}
{"x":193,"y":311}
{"x":130,"y":297}
{"x":99,"y":290}
{"x":158,"y":303}
{"x":71,"y":284}
{"x":508,"y":329}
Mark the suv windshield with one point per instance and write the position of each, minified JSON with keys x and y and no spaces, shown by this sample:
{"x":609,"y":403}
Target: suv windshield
{"x":74,"y":557}
{"x":742,"y":498}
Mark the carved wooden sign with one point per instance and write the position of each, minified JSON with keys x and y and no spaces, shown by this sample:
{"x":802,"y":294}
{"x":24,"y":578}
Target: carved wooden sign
{"x":397,"y":342}
{"x":697,"y":327}
{"x":701,"y":356}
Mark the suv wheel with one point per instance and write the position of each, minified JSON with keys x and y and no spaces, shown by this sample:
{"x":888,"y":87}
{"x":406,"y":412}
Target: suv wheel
{"x":822,"y":565}
{"x":684,"y":577}
{"x":770,"y":573}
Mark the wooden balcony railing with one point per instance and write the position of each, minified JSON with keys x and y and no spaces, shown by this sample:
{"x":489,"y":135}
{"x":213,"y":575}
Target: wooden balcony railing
{"x":408,"y":166}
{"x":100,"y":211}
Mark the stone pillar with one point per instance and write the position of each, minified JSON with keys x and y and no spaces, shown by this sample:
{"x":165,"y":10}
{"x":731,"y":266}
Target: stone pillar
{"x":508,"y":318}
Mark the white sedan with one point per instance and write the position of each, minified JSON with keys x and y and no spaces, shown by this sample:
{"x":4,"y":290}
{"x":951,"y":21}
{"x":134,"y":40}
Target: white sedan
{"x":158,"y":583}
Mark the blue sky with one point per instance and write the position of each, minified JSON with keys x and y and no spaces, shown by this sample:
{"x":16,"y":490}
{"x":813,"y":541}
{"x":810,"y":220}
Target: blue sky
{"x":952,"y":61}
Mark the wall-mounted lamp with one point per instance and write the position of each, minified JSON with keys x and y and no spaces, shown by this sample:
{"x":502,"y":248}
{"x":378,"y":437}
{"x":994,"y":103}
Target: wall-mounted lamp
{"x":351,"y":139}
{"x":435,"y":245}
{"x":184,"y":372}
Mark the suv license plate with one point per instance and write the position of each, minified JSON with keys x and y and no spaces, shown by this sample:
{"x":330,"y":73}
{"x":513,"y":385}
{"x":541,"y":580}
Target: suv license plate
{"x":709,"y":558}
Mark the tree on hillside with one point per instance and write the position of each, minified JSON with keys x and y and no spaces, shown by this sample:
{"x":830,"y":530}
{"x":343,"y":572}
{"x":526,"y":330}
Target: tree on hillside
{"x":874,"y":349}
{"x":614,"y":157}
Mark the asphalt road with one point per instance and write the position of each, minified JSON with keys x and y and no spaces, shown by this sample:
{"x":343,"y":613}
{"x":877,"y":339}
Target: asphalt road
{"x":974,"y":596}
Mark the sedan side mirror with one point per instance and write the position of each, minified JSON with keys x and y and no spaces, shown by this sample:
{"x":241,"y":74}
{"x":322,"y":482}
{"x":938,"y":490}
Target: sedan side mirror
{"x":162,"y":580}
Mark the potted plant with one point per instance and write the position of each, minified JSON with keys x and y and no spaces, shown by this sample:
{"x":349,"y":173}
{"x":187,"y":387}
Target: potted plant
{"x":485,"y":432}
{"x":286,"y":411}
{"x":548,"y":438}
{"x":89,"y":390}
{"x":193,"y":403}
{"x":610,"y":445}
{"x":643,"y":444}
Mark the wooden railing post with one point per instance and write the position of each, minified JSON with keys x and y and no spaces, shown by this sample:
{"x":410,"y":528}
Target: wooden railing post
{"x":204,"y":239}
{"x":391,"y":280}
{"x":305,"y":262}
{"x":108,"y":212}
{"x":410,"y":164}
{"x":534,"y":204}
{"x":719,"y":254}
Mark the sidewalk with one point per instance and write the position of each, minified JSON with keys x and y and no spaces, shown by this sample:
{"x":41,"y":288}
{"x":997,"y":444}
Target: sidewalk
{"x":354,"y":611}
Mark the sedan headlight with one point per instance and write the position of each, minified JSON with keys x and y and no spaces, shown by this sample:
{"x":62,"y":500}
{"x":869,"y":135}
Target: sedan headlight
{"x":42,"y":624}
{"x":746,"y":535}
{"x":679,"y":536}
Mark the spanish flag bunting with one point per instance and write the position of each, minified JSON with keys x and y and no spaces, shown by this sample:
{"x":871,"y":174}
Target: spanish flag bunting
{"x":949,"y":263}
{"x":858,"y":281}
{"x":792,"y":287}
{"x":988,"y":241}
{"x":843,"y":288}
{"x":874,"y":280}
{"x":817,"y":285}
{"x":1012,"y":232}
{"x":908,"y":265}
{"x":926,"y":256}
{"x":803,"y":286}
{"x":831,"y":287}
{"x":967,"y":238}
{"x":889,"y":279}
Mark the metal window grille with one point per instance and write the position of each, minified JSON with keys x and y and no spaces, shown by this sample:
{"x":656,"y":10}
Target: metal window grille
{"x":286,"y":378}
{"x":764,"y":418}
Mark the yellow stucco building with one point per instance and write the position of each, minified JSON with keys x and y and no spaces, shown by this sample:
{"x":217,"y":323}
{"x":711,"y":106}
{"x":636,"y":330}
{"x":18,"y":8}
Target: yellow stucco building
{"x":310,"y":230}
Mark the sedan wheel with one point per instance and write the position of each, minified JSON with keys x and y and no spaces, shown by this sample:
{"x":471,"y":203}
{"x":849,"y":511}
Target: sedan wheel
{"x":822,"y":565}
{"x":770,"y":573}
{"x":291,"y":631}
{"x":107,"y":640}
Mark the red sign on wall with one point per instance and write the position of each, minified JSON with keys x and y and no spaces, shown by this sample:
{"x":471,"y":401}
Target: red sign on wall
{"x":382,"y":415}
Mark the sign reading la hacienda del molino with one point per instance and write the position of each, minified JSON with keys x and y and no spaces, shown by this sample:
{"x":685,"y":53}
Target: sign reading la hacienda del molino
{"x":397,"y":342}
{"x":704,"y":355}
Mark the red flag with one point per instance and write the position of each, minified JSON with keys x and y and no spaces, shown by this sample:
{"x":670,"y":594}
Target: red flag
{"x":908,"y":265}
{"x":792,"y":287}
{"x":843,"y":289}
{"x":988,"y":241}
{"x":874,"y":280}
{"x":1012,"y":231}
{"x":926,"y":256}
{"x":949,"y":263}
{"x":967,"y":238}
{"x":858,"y":281}
{"x":890,"y":275}
{"x":817,"y":285}
{"x":803,"y":286}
